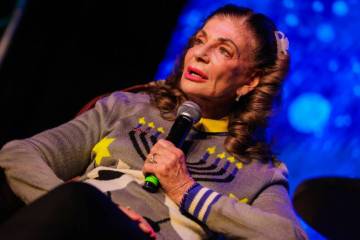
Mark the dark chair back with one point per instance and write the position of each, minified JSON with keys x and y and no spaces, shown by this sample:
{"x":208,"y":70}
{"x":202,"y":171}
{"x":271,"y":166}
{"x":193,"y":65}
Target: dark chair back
{"x":9,"y":202}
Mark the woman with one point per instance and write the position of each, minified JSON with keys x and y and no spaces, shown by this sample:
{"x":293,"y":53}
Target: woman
{"x":223,"y":182}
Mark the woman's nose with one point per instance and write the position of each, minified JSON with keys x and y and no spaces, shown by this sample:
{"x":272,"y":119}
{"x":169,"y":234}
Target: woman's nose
{"x":202,"y":53}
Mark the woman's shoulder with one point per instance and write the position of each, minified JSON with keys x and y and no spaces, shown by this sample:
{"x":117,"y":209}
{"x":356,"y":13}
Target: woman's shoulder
{"x":142,"y":96}
{"x":124,"y":100}
{"x":273,"y":171}
{"x":280,"y":171}
{"x":123,"y":103}
{"x":129,"y":97}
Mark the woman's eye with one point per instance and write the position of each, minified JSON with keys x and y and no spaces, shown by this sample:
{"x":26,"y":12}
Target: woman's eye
{"x":225,"y":52}
{"x":198,"y":41}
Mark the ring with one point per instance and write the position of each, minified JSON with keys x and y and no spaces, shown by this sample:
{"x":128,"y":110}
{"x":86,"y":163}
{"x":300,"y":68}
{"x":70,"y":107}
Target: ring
{"x":151,"y":158}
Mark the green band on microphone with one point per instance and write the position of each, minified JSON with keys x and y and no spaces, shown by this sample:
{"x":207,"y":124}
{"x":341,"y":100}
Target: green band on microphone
{"x":153,"y":179}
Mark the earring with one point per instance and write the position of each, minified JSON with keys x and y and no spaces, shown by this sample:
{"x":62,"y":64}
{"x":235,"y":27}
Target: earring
{"x":238,"y":98}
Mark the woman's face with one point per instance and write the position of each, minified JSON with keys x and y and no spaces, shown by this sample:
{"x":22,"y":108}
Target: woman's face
{"x":217,"y":65}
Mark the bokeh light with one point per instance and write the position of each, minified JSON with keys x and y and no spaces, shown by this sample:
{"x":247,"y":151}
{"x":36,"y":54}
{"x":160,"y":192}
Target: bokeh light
{"x":317,"y":6}
{"x":309,"y":113}
{"x":340,"y":8}
{"x":325,"y":33}
{"x":292,"y":20}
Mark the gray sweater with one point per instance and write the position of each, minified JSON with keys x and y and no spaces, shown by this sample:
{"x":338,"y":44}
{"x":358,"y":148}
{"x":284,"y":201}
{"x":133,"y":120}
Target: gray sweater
{"x":107,"y":146}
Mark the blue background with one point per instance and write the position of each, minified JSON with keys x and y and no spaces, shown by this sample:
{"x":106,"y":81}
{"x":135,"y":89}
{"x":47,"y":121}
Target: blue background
{"x":315,"y":131}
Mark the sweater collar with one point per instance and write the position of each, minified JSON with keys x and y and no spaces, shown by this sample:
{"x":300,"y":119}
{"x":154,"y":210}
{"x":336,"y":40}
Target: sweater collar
{"x":213,"y":125}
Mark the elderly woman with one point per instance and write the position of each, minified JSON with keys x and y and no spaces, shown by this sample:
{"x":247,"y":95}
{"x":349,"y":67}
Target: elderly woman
{"x":223,"y":182}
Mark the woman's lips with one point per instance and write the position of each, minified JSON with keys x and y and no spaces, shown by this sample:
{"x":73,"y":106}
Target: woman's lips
{"x":196,"y":75}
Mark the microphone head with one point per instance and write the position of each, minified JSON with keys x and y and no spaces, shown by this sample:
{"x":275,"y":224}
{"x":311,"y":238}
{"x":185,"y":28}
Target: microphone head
{"x":190,"y":110}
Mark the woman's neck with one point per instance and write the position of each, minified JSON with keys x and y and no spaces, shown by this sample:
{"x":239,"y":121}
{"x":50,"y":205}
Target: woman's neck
{"x":212,"y":109}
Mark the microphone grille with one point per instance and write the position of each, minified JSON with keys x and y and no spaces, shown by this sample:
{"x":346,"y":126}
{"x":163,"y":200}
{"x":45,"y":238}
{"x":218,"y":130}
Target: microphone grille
{"x":191,"y":110}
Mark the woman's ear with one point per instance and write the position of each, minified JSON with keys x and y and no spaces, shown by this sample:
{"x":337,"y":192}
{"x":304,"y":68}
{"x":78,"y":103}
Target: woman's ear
{"x":245,"y":89}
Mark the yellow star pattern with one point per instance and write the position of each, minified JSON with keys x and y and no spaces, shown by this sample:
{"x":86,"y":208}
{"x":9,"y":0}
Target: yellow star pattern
{"x":231,"y":195}
{"x":142,"y":120}
{"x":239,"y":165}
{"x":160,"y":129}
{"x":211,"y":150}
{"x":231,"y":159}
{"x":243,"y":200}
{"x":151,"y":124}
{"x":221,"y":155}
{"x":101,"y":149}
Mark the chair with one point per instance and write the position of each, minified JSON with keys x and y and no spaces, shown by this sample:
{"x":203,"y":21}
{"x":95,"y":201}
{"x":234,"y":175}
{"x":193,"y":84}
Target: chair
{"x":330,"y":205}
{"x":9,"y":202}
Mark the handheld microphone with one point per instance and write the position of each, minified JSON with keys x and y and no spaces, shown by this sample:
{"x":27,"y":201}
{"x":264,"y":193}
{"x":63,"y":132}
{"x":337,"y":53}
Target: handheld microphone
{"x":187,"y":114}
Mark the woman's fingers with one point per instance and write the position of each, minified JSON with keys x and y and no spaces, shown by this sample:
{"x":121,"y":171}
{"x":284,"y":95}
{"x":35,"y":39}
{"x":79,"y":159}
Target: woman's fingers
{"x":143,"y":224}
{"x":145,"y":227}
{"x":74,"y":179}
{"x":168,"y":164}
{"x":165,"y":161}
{"x":130,"y":213}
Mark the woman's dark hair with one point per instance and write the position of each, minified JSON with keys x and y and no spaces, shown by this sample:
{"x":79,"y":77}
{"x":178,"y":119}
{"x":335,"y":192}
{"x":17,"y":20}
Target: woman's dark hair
{"x":249,"y":116}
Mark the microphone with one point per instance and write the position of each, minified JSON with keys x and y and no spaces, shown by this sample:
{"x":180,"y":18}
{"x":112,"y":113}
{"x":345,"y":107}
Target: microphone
{"x":187,"y":114}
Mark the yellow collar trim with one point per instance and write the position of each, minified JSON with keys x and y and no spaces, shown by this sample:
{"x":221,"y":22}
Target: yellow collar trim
{"x":213,"y":125}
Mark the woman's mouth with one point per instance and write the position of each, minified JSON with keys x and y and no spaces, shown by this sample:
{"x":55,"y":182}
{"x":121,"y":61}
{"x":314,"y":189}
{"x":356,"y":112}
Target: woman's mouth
{"x":196,"y":75}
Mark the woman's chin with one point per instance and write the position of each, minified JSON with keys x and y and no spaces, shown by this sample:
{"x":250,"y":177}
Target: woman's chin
{"x":193,"y":88}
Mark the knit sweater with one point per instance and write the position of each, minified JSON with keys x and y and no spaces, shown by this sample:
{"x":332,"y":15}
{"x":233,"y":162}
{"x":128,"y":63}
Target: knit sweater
{"x":107,"y":146}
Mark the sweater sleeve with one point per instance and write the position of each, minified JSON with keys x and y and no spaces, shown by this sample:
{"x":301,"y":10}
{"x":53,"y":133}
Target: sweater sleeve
{"x":270,"y":216}
{"x":35,"y":165}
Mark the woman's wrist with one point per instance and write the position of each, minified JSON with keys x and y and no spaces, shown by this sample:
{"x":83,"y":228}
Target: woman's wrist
{"x":179,"y":192}
{"x":185,"y":195}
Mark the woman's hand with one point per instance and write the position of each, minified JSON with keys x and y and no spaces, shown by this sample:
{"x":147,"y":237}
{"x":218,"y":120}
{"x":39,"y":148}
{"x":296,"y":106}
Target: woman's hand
{"x":74,"y":179}
{"x":167,"y":162}
{"x":143,"y":224}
